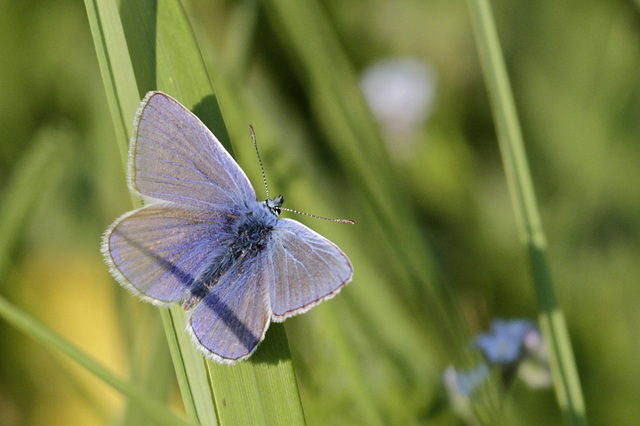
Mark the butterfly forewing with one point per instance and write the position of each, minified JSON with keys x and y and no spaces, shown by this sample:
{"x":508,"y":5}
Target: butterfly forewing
{"x":174,"y":157}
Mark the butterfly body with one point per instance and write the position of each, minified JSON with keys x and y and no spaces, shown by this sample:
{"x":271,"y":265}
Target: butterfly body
{"x":204,"y":239}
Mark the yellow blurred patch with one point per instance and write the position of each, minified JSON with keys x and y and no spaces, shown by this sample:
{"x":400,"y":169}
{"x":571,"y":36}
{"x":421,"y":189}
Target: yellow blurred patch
{"x":71,"y":292}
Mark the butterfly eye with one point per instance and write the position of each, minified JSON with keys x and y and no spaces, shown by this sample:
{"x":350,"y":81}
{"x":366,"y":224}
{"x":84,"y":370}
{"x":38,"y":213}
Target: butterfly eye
{"x":275,"y":204}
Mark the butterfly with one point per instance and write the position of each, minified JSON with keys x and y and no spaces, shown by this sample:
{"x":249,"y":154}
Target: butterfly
{"x":204,"y":240}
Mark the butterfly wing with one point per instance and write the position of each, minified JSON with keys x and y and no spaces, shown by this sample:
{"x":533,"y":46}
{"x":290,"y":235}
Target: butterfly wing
{"x":158,"y":250}
{"x":175,"y":157}
{"x":307,"y":269}
{"x":233,"y":318}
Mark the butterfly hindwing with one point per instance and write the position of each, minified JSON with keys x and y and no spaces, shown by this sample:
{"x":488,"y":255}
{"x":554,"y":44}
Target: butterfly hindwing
{"x":232,"y":319}
{"x":307,"y":269}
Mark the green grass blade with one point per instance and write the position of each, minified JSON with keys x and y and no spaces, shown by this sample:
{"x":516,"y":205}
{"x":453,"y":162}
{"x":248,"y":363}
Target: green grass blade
{"x":552,"y":322}
{"x":262,"y":391}
{"x":190,"y":369}
{"x":123,"y":95}
{"x":38,"y":331}
{"x":165,"y":57}
{"x":153,"y":365}
{"x":116,"y":68}
{"x":255,"y":391}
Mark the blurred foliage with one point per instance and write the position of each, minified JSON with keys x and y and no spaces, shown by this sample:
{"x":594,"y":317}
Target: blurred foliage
{"x":574,"y":70}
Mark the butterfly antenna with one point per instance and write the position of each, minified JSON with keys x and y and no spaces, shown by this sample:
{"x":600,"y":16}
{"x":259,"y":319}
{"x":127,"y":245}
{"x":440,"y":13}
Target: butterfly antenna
{"x":264,"y":178}
{"x":350,"y":222}
{"x":255,"y":143}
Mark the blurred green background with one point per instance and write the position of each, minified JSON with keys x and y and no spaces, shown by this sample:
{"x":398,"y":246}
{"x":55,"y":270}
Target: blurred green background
{"x":574,"y":69}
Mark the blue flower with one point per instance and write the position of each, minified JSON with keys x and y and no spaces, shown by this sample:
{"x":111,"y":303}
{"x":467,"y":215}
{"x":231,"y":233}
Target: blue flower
{"x":505,"y":344}
{"x":464,"y":383}
{"x":511,"y":348}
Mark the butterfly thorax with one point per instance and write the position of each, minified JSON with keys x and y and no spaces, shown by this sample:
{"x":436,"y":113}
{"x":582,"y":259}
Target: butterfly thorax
{"x":253,"y":227}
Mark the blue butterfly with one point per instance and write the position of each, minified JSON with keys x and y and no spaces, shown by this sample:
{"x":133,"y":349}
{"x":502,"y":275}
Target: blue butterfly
{"x":205,"y":240}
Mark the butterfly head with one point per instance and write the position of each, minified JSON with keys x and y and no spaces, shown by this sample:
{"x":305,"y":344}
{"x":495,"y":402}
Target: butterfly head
{"x":274,"y":204}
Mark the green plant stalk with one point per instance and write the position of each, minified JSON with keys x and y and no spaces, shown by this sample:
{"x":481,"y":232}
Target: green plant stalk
{"x":552,"y":321}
